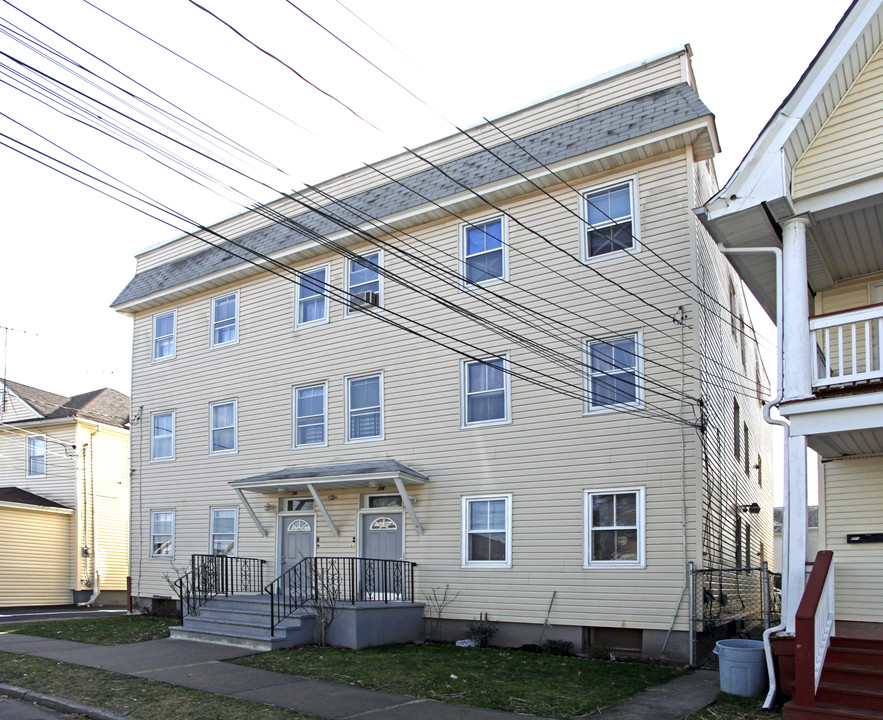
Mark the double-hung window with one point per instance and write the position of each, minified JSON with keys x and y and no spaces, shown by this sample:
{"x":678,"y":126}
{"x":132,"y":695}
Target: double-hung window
{"x":162,"y":436}
{"x":615,"y":528}
{"x":225,"y":319}
{"x":364,"y":408}
{"x":223,"y":531}
{"x":310,"y":415}
{"x":36,"y":457}
{"x":164,"y":335}
{"x":162,"y":533}
{"x":613,"y":373}
{"x":312,"y":301}
{"x":611,"y":222}
{"x":485,"y":391}
{"x":223,"y":427}
{"x":364,"y":284}
{"x":487,"y":531}
{"x":483,"y":250}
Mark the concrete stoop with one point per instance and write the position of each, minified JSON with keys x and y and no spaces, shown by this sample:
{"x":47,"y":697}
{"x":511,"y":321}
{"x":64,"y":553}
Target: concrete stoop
{"x":244,"y":621}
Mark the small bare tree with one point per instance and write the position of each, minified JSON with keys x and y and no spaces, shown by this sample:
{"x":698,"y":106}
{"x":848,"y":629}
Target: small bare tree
{"x":437,"y":600}
{"x":327,"y":601}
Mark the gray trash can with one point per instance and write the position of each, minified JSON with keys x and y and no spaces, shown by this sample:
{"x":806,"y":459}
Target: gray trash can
{"x":742,"y":667}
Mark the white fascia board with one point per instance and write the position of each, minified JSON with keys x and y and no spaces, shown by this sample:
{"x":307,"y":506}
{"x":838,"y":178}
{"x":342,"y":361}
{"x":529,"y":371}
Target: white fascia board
{"x":834,"y":414}
{"x":40,"y":422}
{"x":761,"y":176}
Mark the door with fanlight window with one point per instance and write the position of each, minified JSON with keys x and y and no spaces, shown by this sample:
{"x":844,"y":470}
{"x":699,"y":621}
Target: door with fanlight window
{"x":297,"y":540}
{"x":380,"y":577}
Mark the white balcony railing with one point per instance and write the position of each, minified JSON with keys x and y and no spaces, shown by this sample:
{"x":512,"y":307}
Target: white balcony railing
{"x":848,"y":346}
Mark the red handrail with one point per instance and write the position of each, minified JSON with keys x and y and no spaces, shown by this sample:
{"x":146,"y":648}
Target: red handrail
{"x":805,"y":631}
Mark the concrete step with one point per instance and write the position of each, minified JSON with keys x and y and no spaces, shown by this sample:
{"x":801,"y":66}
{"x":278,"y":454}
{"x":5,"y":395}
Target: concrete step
{"x":260,"y":640}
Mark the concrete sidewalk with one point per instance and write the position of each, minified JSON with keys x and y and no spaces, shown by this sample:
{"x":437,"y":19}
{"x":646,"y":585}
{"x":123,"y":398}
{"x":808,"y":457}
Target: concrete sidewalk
{"x":200,"y":666}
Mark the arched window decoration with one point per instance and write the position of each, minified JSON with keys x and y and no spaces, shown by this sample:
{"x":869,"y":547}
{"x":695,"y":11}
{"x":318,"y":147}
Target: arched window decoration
{"x":384,"y":523}
{"x":299,"y":525}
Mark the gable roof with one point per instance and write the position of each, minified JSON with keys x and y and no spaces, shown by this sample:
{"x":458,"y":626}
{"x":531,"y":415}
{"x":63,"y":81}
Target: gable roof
{"x":105,"y":405}
{"x":747,"y":211}
{"x":627,"y":121}
{"x":23,"y":497}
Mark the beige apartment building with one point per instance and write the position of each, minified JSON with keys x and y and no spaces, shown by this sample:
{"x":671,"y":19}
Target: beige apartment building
{"x":513,"y":358}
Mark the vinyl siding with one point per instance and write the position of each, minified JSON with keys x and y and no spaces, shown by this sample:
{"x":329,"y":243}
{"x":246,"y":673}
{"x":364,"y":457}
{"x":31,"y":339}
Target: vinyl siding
{"x":853,"y":503}
{"x":106,"y":479}
{"x":35,"y":566}
{"x":846,"y":149}
{"x":848,"y":295}
{"x":60,"y":481}
{"x":422,"y":415}
{"x":662,"y":73}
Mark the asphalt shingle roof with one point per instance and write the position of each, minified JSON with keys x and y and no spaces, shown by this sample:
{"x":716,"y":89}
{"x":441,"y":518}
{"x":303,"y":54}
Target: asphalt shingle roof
{"x":104,"y":405}
{"x":23,"y":497}
{"x":632,"y":119}
{"x":368,"y":467}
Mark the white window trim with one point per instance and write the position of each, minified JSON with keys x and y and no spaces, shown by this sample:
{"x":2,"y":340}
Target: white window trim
{"x":504,"y":232}
{"x":638,"y":564}
{"x":28,"y":472}
{"x":465,"y":562}
{"x":294,"y":443}
{"x":346,"y":389}
{"x":154,"y":358}
{"x":632,"y":182}
{"x":167,"y":556}
{"x":347,"y":310}
{"x":235,"y":316}
{"x":324,"y":319}
{"x":211,"y":428}
{"x":211,"y":528}
{"x":165,"y":458}
{"x":507,"y":390}
{"x":636,"y":404}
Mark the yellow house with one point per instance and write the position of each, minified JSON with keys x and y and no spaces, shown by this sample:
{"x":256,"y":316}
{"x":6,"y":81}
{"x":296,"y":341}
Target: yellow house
{"x":64,"y":496}
{"x":512,"y":362}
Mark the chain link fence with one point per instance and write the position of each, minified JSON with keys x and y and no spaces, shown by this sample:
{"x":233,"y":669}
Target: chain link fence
{"x":731,"y":602}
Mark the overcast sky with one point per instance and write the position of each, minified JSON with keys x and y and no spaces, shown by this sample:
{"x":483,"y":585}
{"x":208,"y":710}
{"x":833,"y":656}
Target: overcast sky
{"x":67,"y":251}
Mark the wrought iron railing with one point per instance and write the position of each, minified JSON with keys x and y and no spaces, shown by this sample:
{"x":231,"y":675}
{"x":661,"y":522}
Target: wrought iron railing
{"x":813,"y":629}
{"x":848,"y":346}
{"x":336,"y":580}
{"x":213,"y":575}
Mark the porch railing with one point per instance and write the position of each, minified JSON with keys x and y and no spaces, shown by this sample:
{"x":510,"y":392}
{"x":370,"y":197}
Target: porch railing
{"x":339,"y":580}
{"x":848,"y":346}
{"x":813,"y":629}
{"x":213,"y":575}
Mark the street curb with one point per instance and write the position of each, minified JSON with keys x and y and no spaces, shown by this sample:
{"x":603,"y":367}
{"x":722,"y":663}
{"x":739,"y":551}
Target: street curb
{"x":54,"y":703}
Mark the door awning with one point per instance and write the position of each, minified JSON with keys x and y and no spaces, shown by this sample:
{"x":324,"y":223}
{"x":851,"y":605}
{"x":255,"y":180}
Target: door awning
{"x":372,"y":473}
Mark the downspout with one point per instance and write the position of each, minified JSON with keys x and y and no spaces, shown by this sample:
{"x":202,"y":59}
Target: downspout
{"x":786,"y":428}
{"x":96,"y":578}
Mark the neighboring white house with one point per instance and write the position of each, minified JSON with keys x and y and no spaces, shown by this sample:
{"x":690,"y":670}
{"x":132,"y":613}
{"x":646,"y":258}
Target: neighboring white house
{"x":514,"y":358}
{"x":64,"y":496}
{"x":811,"y":188}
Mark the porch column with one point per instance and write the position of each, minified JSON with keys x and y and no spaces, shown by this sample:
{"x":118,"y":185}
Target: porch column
{"x":795,"y":521}
{"x":798,"y":350}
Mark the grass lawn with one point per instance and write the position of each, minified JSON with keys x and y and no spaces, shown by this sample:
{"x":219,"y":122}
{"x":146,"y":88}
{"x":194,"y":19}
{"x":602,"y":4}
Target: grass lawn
{"x":141,"y":699}
{"x":552,"y":686}
{"x":99,"y":631}
{"x":547,"y":685}
{"x":732,"y":707}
